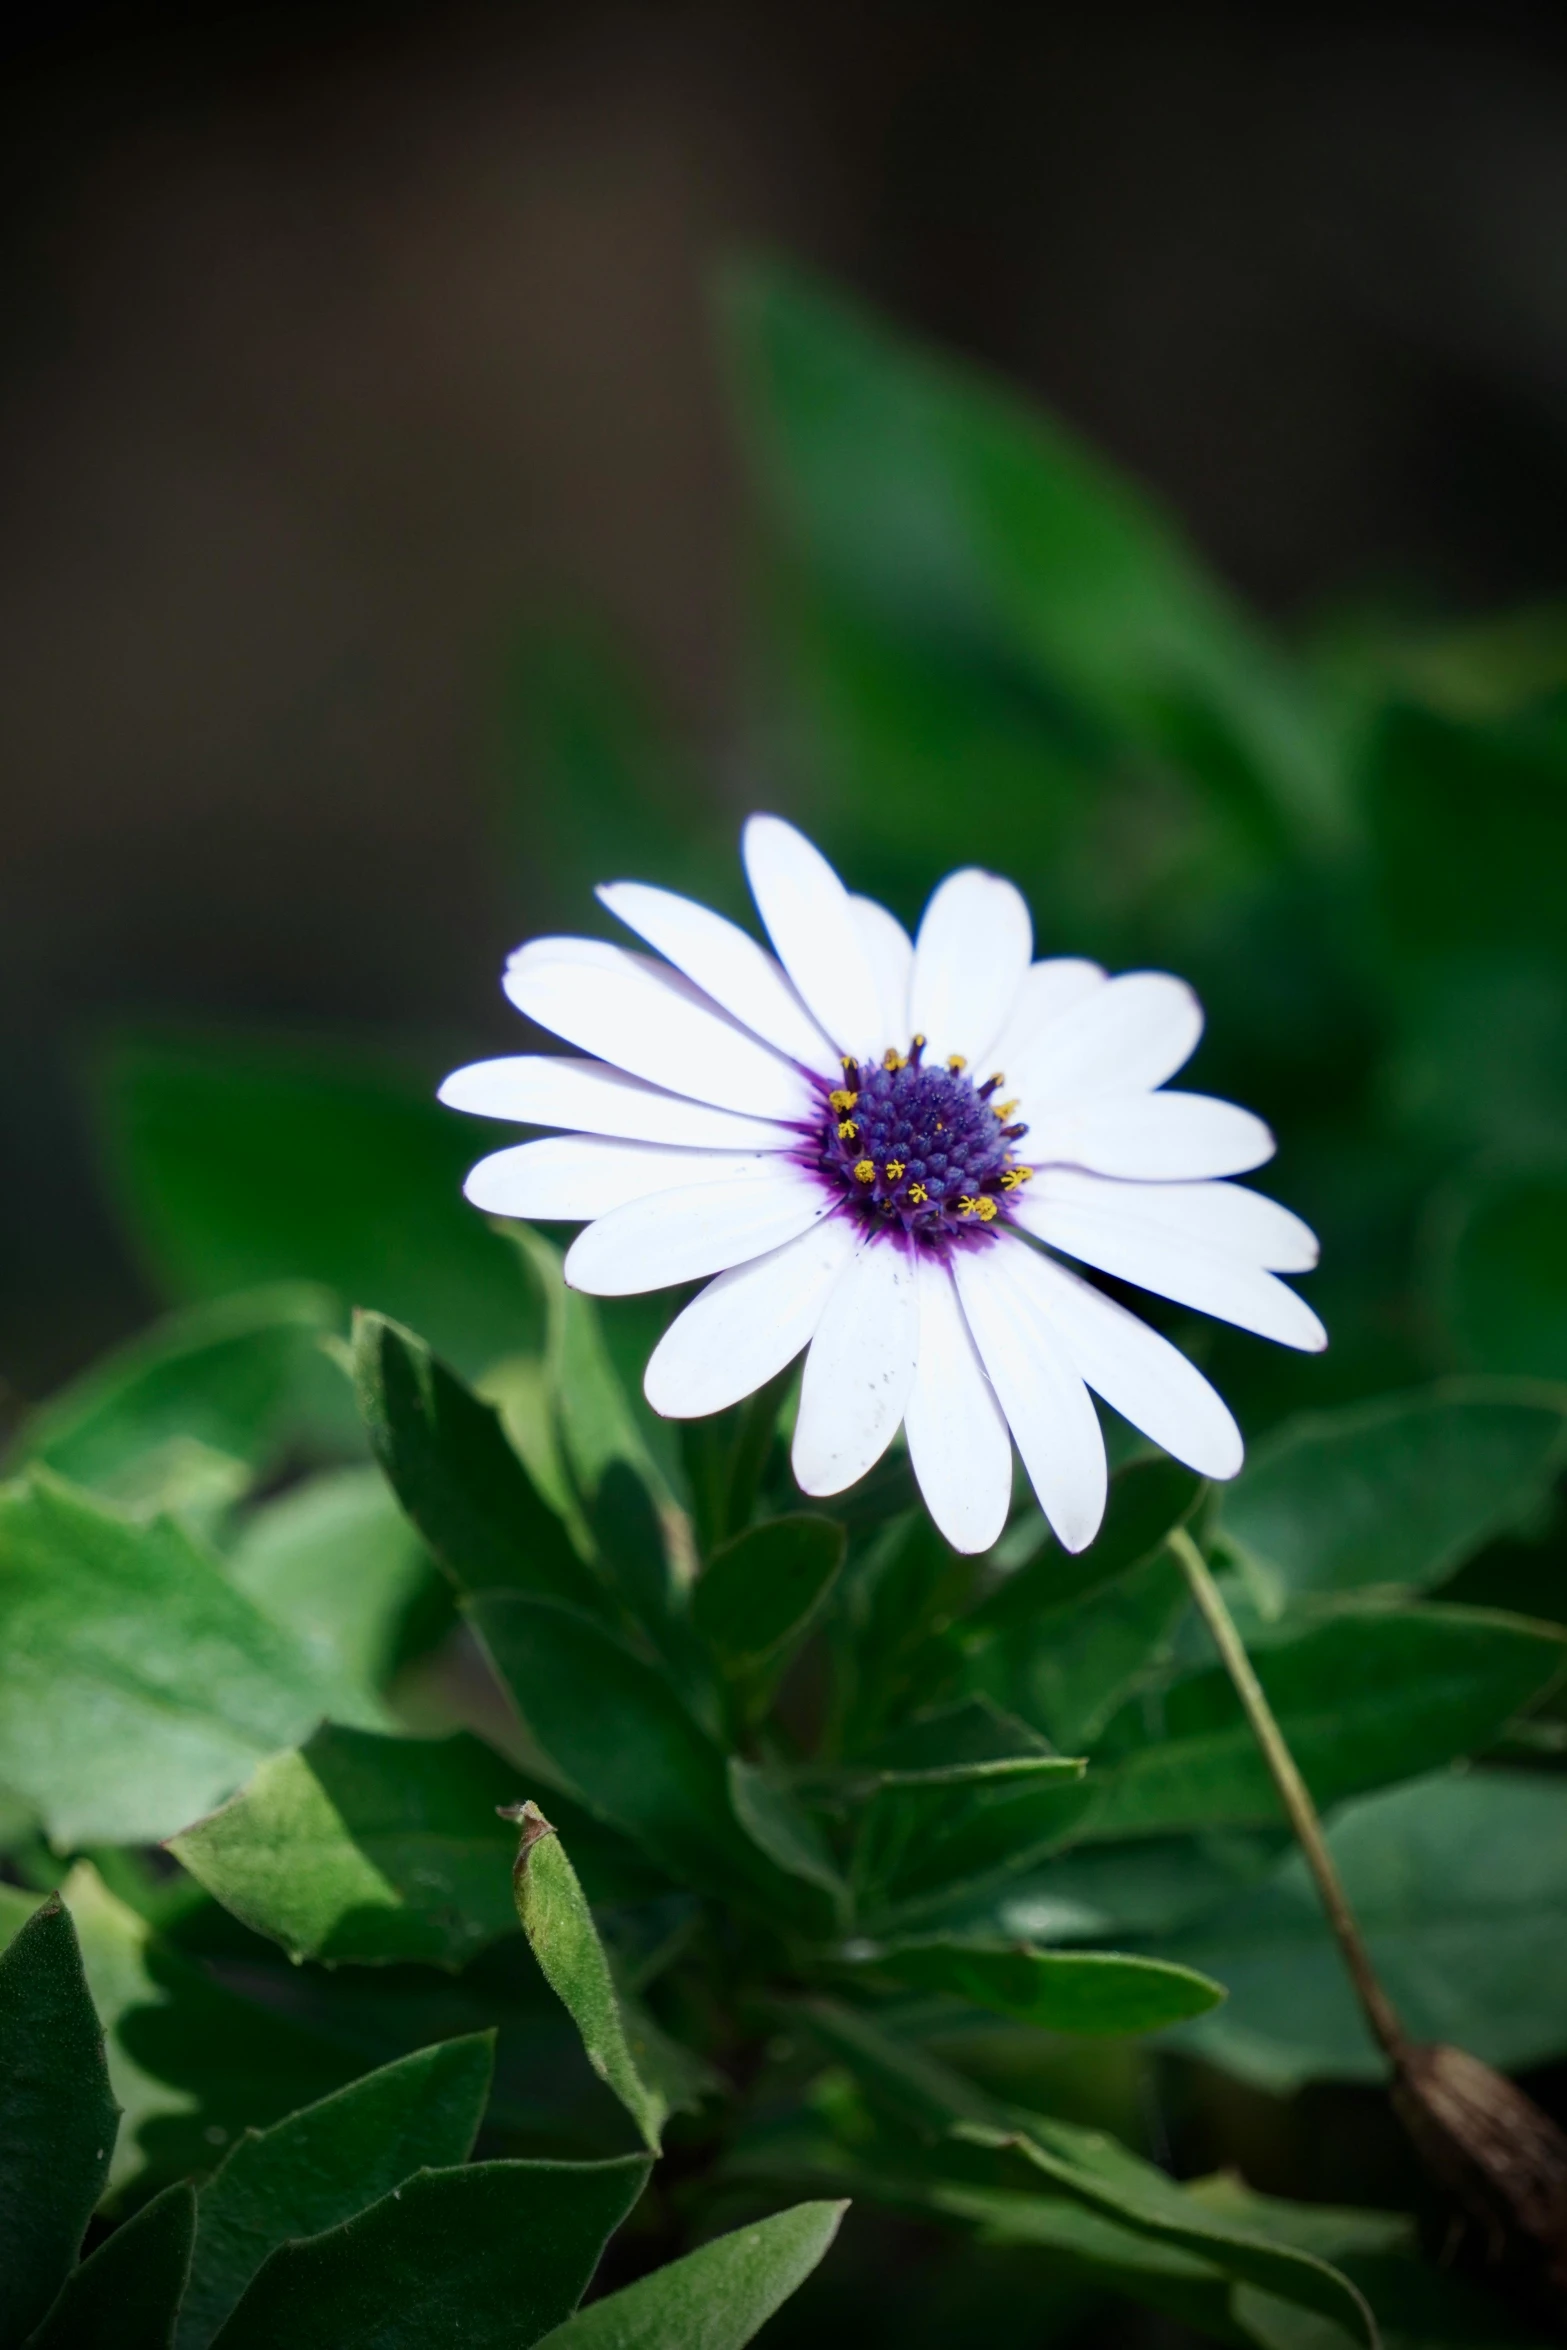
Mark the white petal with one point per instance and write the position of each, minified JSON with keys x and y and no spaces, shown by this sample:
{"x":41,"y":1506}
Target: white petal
{"x":567,"y":1178}
{"x":747,"y":1325}
{"x":891,"y":952}
{"x":959,"y":1448}
{"x":969,"y":962}
{"x":859,"y":1370}
{"x":1048,"y":989}
{"x":685,"y":1235}
{"x":812,"y":924}
{"x":1132,"y":1033}
{"x":1183,"y":1269}
{"x":1223,"y":1216}
{"x":556,"y":1089}
{"x":648,"y":1019}
{"x":1152,"y":1137}
{"x":741,"y":977}
{"x":1142,"y":1376}
{"x":1048,"y":1409}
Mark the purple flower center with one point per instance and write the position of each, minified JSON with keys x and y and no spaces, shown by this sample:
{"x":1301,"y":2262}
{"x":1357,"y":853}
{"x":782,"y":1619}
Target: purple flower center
{"x":919,"y":1150}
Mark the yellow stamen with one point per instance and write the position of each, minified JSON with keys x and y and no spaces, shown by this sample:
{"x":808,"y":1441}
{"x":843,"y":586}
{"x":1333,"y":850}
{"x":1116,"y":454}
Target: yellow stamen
{"x":865,"y":1172}
{"x":956,"y":1063}
{"x":1005,"y":1111}
{"x":997,"y":1077}
{"x":842,"y":1100}
{"x":894,"y":1060}
{"x":848,"y":1131}
{"x":894,"y":1170}
{"x":920,"y":1041}
{"x":918,"y":1194}
{"x":966,"y":1206}
{"x":1016,"y":1175}
{"x":987,"y":1211}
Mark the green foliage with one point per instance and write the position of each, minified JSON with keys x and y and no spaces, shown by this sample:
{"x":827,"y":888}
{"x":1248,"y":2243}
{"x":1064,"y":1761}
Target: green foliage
{"x":57,"y":2116}
{"x":127,"y":2296}
{"x":1094,"y":1991}
{"x":714,"y":2299}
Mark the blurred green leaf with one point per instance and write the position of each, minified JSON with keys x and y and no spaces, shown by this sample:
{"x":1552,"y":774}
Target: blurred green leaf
{"x":365,"y":1849}
{"x":1147,"y":1500}
{"x":651,"y":2075}
{"x":1068,"y":1668}
{"x":1460,"y":1886}
{"x":929,"y":496}
{"x":906,"y":1585}
{"x":452,"y":1469}
{"x":127,"y":2295}
{"x":1094,"y":1991}
{"x":1400,"y":1491}
{"x":336,"y":1562}
{"x":620,"y":1737}
{"x":1501,"y":1272}
{"x":237,"y":1163}
{"x":1364,"y":1697}
{"x":511,"y":2245}
{"x":321,"y":2165}
{"x":197,"y":1407}
{"x":784,"y":1829}
{"x":58,"y":2118}
{"x":758,"y":1597}
{"x":135,"y":1629}
{"x":718,"y":2297}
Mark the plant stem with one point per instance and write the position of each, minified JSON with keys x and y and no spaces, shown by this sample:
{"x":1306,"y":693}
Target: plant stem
{"x":1295,"y":1796}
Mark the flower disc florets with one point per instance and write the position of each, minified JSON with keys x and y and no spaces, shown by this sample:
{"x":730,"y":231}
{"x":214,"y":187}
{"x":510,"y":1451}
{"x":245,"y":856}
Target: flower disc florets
{"x":921,"y":1149}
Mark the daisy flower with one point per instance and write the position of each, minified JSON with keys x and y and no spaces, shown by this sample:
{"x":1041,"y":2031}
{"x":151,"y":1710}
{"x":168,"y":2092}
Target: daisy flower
{"x":878,"y":1150}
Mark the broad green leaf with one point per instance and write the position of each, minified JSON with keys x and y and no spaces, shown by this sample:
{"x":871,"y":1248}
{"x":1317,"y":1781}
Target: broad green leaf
{"x":135,"y":1629}
{"x":935,"y":500}
{"x":1113,"y":1892}
{"x":336,"y":1562}
{"x":186,"y":1415}
{"x":320,"y":2166}
{"x":785,"y":1830}
{"x":617,"y":1734}
{"x":368,"y":1849}
{"x":1460,"y":1885}
{"x":1365,"y":1696}
{"x":626,"y":2051}
{"x":127,"y":2296}
{"x":1068,"y":1668}
{"x":511,"y":2245}
{"x":598,"y":1420}
{"x":57,"y":2116}
{"x":191,"y":2063}
{"x":1086,"y":2164}
{"x":718,"y":2297}
{"x":1400,"y":1491}
{"x":449,"y":1464}
{"x":906,"y":1585}
{"x":238,"y":1163}
{"x":1147,"y":1500}
{"x":1502,"y":1273}
{"x":1094,"y":1991}
{"x":758,"y":1597}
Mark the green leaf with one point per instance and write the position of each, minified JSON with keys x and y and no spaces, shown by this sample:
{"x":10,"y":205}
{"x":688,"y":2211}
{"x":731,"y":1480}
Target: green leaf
{"x":1400,"y":1491}
{"x":620,"y":1738}
{"x":1501,"y":1272}
{"x":598,"y":1420}
{"x":628,"y":2053}
{"x":905,"y":1588}
{"x":1094,"y":1991}
{"x":1147,"y":1500}
{"x":187,"y":1415}
{"x":1460,"y":1886}
{"x":511,"y":2245}
{"x":934,"y":500}
{"x":718,"y":2297}
{"x":135,"y":1629}
{"x":57,"y":2116}
{"x":238,"y":1163}
{"x":785,"y":1830}
{"x":337,"y":1563}
{"x":1365,"y":1696}
{"x":760,"y":1594}
{"x":127,"y":2296}
{"x":448,"y":1461}
{"x":1068,"y":1668}
{"x":367,"y":1849}
{"x":320,"y":2166}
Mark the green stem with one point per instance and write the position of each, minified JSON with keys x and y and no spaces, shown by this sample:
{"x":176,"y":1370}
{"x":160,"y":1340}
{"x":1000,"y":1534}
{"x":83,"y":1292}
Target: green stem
{"x":1295,"y":1795}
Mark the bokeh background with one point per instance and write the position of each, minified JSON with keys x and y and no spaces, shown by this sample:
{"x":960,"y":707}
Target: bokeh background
{"x":344,"y":349}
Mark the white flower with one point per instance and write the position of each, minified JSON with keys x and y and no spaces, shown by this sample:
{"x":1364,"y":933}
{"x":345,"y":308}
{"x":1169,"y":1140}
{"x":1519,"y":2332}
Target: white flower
{"x":824,"y":1140}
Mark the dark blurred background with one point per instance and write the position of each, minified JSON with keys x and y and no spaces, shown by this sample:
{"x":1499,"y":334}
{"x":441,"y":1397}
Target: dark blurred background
{"x":339,"y":346}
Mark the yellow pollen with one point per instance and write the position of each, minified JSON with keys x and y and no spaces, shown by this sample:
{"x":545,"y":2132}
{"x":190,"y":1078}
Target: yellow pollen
{"x":986,"y":1210}
{"x":956,"y":1063}
{"x":1005,"y":1111}
{"x":997,"y":1077}
{"x":847,"y":1061}
{"x":894,"y":1170}
{"x":894,"y":1060}
{"x":848,"y":1131}
{"x":842,"y":1100}
{"x":920,"y":1041}
{"x":1016,"y":1175}
{"x":865,"y":1171}
{"x":918,"y":1194}
{"x":966,"y":1206}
